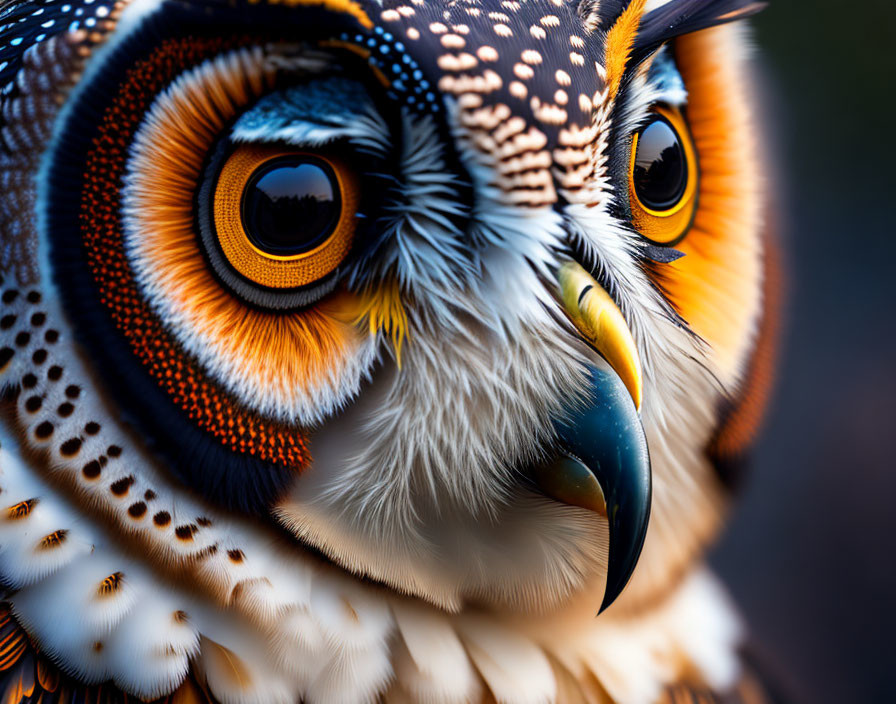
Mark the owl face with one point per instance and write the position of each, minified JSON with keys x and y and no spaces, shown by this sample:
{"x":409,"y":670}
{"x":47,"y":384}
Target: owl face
{"x":435,"y":290}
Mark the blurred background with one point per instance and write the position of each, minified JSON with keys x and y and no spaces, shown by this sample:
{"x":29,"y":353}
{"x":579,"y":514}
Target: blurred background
{"x":811,"y":553}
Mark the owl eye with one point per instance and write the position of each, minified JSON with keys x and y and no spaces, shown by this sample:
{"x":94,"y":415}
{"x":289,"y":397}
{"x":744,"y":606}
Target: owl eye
{"x":661,"y":167}
{"x":284,"y":219}
{"x":208,"y":202}
{"x":663,"y":178}
{"x":291,"y":204}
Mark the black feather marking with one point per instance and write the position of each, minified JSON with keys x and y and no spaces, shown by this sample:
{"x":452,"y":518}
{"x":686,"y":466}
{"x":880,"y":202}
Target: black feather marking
{"x":584,"y":293}
{"x":662,"y":255}
{"x":681,"y":17}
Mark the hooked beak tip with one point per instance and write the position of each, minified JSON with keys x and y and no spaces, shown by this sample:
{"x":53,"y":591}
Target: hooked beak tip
{"x":603,"y":465}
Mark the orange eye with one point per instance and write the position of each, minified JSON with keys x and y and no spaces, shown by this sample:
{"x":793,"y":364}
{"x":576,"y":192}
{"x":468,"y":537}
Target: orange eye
{"x":663,"y":178}
{"x":284,"y":219}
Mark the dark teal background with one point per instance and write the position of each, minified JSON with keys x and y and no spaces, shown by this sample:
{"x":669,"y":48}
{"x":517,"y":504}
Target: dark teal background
{"x":811,"y":554}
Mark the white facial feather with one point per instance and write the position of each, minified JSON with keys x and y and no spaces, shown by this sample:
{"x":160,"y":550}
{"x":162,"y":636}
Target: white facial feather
{"x":435,"y":444}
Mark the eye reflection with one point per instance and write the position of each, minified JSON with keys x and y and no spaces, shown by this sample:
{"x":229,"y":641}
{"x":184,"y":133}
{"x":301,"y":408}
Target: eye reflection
{"x":291,"y":205}
{"x":661,"y":168}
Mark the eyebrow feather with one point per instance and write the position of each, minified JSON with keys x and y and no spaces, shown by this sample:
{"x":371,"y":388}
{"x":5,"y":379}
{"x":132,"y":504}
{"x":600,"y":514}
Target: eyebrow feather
{"x":680,"y":17}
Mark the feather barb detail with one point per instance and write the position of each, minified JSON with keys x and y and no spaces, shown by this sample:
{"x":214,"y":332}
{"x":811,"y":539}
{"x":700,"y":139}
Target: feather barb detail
{"x":383,"y":311}
{"x":620,"y":40}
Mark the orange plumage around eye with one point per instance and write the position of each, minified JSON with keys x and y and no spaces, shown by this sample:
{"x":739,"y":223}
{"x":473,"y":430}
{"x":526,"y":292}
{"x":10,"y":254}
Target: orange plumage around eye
{"x":713,"y":287}
{"x":284,"y":219}
{"x":663,"y":178}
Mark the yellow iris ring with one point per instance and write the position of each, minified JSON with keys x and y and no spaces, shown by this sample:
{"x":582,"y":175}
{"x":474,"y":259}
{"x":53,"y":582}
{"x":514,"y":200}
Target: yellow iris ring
{"x":264,"y":268}
{"x":667,"y":227}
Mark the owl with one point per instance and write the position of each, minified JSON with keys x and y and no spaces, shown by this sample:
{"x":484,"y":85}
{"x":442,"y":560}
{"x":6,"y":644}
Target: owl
{"x":376,"y":350}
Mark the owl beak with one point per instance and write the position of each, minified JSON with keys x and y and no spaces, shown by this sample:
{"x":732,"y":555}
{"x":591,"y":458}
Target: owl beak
{"x":604,"y":465}
{"x":600,"y":321}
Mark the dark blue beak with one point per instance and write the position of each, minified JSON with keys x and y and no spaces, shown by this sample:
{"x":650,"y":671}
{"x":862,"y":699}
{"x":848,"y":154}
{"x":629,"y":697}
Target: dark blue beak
{"x":603,"y":465}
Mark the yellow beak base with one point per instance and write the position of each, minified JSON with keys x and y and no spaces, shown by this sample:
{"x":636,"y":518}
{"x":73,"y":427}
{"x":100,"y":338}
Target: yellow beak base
{"x":602,"y":324}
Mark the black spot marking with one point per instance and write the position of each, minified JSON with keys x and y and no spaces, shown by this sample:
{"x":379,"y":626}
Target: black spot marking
{"x":185,"y":532}
{"x":70,"y":447}
{"x":44,"y":430}
{"x":121,"y":486}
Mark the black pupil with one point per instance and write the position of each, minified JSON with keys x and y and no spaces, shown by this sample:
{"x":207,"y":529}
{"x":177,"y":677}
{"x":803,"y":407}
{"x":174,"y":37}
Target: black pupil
{"x":291,"y":205}
{"x":661,"y":167}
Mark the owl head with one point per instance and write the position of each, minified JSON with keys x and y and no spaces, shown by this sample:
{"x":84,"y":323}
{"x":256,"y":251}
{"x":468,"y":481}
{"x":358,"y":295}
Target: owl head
{"x":465,"y":298}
